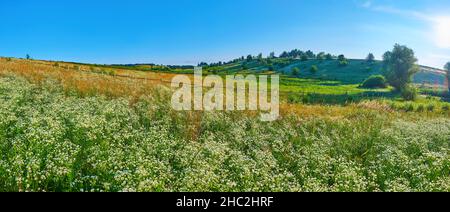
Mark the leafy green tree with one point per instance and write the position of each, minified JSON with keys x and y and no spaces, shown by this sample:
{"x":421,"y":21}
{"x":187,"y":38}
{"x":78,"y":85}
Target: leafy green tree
{"x":400,"y":66}
{"x":284,"y":55}
{"x":304,"y":57}
{"x":260,"y":56}
{"x":272,"y":55}
{"x":321,"y":56}
{"x":28,"y":56}
{"x":249,"y":58}
{"x":341,"y":57}
{"x":295,"y":71}
{"x":310,"y":54}
{"x":328,"y":56}
{"x":370,"y":58}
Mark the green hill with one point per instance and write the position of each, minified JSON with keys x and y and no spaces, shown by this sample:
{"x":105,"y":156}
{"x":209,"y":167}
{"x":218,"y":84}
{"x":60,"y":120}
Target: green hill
{"x":355,"y":72}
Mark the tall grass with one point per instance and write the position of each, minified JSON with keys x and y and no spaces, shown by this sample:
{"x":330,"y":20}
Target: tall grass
{"x":54,"y":140}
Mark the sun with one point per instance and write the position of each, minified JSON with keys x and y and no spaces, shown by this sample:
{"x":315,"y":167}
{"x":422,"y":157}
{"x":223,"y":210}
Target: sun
{"x":441,"y":30}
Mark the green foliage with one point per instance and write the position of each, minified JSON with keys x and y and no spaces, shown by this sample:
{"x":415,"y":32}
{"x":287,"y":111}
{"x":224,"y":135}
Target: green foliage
{"x":304,"y":58}
{"x":314,"y":69}
{"x":447,"y":66}
{"x":295,"y":71}
{"x":420,"y":108}
{"x":400,"y":66}
{"x":375,"y":81}
{"x":321,"y":56}
{"x":328,"y":57}
{"x":343,"y":63}
{"x":409,"y":93}
{"x":370,"y":58}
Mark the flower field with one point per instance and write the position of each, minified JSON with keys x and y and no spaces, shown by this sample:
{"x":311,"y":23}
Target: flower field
{"x":61,"y":132}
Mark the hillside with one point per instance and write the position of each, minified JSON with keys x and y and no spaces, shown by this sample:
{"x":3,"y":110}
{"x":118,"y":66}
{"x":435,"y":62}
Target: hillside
{"x":355,"y":72}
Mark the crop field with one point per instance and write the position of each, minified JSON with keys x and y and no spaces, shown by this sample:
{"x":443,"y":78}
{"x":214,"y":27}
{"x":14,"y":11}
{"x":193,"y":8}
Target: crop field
{"x":80,"y":127}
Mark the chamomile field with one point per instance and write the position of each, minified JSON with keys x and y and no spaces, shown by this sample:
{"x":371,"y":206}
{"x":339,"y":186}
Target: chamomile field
{"x":84,"y":127}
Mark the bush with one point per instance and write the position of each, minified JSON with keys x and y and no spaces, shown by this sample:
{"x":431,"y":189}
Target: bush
{"x":343,"y":63}
{"x":295,"y":71}
{"x":375,"y":81}
{"x":314,"y":69}
{"x":409,"y":93}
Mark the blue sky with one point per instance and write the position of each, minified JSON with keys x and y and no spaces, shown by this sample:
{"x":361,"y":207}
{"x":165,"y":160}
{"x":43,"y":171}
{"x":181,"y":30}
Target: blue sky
{"x":190,"y":31}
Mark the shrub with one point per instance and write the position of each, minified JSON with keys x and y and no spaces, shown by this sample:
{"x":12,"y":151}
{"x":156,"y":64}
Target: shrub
{"x":343,"y":63}
{"x":375,"y":81}
{"x":314,"y":69}
{"x":409,"y":93}
{"x":295,"y":71}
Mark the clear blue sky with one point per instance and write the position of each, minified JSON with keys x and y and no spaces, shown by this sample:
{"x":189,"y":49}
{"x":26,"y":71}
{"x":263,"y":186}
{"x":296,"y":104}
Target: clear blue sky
{"x":190,"y":31}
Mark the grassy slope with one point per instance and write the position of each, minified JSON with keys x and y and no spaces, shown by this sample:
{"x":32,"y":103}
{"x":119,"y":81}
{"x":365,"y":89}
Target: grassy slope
{"x":354,"y":73}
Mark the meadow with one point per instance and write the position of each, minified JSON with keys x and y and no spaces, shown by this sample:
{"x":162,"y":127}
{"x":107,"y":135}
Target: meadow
{"x":78,"y":127}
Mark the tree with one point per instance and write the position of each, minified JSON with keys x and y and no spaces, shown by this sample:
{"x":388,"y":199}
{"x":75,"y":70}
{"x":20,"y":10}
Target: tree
{"x":304,"y":57}
{"x":399,"y":66}
{"x":370,"y":58}
{"x":28,"y":57}
{"x":249,"y":58}
{"x":328,"y":56}
{"x":295,"y":71}
{"x":321,"y":56}
{"x":260,"y":56}
{"x":272,"y":55}
{"x":284,"y":55}
{"x":342,"y":60}
{"x":310,"y":54}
